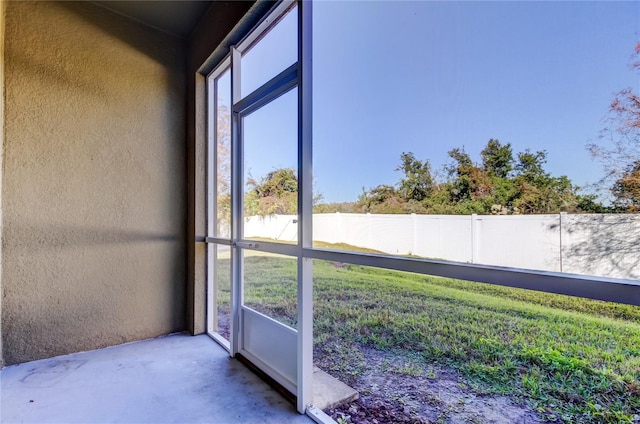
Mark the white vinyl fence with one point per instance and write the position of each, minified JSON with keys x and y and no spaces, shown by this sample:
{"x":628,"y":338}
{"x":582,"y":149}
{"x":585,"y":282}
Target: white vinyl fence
{"x":592,"y":244}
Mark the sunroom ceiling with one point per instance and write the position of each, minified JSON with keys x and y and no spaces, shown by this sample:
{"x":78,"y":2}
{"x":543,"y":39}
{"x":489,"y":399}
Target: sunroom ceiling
{"x":175,"y":17}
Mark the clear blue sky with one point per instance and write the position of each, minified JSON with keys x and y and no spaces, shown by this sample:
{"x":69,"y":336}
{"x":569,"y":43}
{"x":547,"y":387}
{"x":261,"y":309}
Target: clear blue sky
{"x":425,"y":77}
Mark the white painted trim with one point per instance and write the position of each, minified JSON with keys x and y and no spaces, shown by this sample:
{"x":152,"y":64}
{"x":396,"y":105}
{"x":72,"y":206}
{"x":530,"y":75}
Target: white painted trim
{"x":305,"y":207}
{"x":279,"y":378}
{"x":319,"y":416}
{"x":221,"y":341}
{"x":211,"y":113}
{"x":221,"y":68}
{"x":212,"y":306}
{"x":270,"y":20}
{"x":211,"y":88}
{"x":284,"y":330}
{"x":237,"y":270}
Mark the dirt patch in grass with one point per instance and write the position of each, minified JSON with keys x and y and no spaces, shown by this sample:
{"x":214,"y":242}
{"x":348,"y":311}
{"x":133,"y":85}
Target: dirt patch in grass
{"x":396,"y":388}
{"x":224,"y":323}
{"x":461,"y":346}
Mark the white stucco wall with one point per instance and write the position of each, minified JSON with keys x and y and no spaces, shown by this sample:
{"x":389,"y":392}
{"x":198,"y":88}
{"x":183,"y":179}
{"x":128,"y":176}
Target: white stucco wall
{"x":606,"y":245}
{"x":94,"y":181}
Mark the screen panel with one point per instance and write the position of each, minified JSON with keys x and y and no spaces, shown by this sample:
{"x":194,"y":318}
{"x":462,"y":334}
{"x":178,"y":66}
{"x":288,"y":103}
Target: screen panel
{"x":467,"y":150}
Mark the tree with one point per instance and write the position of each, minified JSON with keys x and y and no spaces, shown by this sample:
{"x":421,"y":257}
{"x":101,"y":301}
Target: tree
{"x":530,"y":166}
{"x":276,"y":183}
{"x":626,"y":189}
{"x":619,"y":149}
{"x":468,"y":182}
{"x":275,"y":193}
{"x":500,"y":185}
{"x":589,"y":203}
{"x":538,"y":191}
{"x":381,"y":199}
{"x":462,"y":161}
{"x":497,"y":159}
{"x":417,"y":183}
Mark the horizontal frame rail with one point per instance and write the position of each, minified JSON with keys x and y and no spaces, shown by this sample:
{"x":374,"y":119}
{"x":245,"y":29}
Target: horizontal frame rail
{"x":217,"y":240}
{"x":592,"y":287}
{"x":271,"y":90}
{"x":270,"y":247}
{"x":598,"y":288}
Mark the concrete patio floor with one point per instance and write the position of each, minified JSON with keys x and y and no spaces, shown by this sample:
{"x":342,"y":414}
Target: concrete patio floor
{"x":173,"y":379}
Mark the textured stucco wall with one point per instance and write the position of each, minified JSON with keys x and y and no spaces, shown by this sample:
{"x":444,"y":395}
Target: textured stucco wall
{"x":94,"y":181}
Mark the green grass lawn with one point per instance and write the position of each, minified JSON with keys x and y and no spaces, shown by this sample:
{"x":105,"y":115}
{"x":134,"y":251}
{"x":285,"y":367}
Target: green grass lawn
{"x":571,"y":359}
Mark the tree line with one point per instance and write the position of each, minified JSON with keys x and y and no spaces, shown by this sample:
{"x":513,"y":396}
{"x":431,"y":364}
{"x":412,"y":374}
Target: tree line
{"x":501,"y":182}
